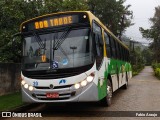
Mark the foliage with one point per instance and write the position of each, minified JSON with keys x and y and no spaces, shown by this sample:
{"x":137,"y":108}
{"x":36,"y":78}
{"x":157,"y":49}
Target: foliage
{"x":153,"y":34}
{"x":157,"y":72}
{"x":156,"y":67}
{"x":13,"y":12}
{"x":69,"y":5}
{"x":136,"y":56}
{"x":113,"y":14}
{"x":136,"y":69}
{"x":11,"y":16}
{"x":137,"y":60}
{"x":147,"y":56}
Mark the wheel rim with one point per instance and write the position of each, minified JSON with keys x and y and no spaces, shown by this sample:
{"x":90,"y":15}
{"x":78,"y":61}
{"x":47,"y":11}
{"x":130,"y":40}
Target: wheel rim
{"x":109,"y":93}
{"x":126,"y":80}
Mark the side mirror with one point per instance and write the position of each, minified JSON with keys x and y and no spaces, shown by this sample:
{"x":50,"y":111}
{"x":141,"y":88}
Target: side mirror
{"x":16,"y":41}
{"x":15,"y":37}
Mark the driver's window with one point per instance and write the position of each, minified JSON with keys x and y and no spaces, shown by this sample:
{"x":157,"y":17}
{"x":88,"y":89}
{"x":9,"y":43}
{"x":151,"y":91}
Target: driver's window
{"x":97,"y":36}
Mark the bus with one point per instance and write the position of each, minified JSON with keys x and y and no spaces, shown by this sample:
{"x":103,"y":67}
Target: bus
{"x":71,"y":57}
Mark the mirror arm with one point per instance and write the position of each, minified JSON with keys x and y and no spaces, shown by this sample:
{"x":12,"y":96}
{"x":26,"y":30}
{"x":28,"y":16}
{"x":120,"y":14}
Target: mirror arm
{"x":17,"y":34}
{"x":13,"y":40}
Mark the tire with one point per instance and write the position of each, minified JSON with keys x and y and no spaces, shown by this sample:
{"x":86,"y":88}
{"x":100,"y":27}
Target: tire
{"x":125,"y":86}
{"x":106,"y":101}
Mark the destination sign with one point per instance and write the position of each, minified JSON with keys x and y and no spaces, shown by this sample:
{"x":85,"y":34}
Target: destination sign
{"x":54,"y":21}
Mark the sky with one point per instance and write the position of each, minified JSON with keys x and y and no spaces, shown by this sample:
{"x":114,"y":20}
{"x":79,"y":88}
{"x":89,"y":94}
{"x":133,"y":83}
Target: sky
{"x":142,"y":11}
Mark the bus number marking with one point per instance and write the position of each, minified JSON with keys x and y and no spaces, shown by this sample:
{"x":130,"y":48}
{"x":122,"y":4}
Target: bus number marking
{"x":35,"y":83}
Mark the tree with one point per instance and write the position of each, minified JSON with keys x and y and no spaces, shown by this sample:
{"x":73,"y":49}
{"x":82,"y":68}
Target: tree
{"x":52,"y":6}
{"x":148,"y":56}
{"x":74,"y":5}
{"x":113,"y":14}
{"x":137,"y":60}
{"x":11,"y":17}
{"x":153,"y":34}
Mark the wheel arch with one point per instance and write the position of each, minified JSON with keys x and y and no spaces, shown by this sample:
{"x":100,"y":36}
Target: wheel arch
{"x":127,"y":76}
{"x":110,"y":78}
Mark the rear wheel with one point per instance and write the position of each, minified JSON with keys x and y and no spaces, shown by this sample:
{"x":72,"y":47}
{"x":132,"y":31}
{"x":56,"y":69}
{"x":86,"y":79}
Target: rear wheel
{"x":108,"y":99}
{"x":125,"y":86}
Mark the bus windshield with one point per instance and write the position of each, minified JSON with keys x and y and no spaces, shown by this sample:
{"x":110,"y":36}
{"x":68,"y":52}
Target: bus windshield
{"x":58,"y":50}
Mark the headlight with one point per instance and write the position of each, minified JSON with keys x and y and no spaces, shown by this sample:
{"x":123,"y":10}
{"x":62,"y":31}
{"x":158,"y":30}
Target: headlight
{"x":31,"y":88}
{"x":90,"y":78}
{"x":23,"y":82}
{"x":26,"y":86}
{"x":83,"y":83}
{"x":76,"y":86}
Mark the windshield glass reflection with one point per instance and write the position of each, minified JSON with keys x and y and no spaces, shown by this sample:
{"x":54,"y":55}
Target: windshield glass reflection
{"x":58,"y":50}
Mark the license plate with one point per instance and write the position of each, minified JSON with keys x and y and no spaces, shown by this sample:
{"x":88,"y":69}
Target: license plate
{"x":52,"y":95}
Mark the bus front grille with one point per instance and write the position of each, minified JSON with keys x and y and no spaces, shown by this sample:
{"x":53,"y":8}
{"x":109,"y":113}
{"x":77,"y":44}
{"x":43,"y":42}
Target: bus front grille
{"x":55,"y":87}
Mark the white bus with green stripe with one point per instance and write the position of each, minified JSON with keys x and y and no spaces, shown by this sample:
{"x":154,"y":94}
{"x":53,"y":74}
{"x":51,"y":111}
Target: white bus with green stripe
{"x":71,"y":57}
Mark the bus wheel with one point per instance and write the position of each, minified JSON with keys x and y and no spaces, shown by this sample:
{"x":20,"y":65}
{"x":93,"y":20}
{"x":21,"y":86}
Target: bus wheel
{"x":125,"y":86}
{"x":108,"y":99}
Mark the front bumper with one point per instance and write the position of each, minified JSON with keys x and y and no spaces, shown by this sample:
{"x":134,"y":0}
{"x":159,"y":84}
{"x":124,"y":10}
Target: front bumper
{"x":67,"y":94}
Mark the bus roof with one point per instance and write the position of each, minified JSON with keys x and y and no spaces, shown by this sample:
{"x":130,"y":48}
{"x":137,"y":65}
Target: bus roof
{"x":91,"y":17}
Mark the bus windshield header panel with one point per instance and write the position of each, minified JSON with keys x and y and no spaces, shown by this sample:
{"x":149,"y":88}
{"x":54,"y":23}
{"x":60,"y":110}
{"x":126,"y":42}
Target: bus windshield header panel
{"x":52,"y":21}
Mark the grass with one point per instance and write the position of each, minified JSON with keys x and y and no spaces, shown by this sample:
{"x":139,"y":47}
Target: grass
{"x":136,"y":70}
{"x":135,"y":73}
{"x":156,"y":68}
{"x":10,"y":101}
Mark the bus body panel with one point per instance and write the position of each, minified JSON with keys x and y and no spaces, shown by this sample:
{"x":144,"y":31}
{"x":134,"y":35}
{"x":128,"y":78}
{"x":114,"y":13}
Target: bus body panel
{"x":102,"y":81}
{"x":94,"y":91}
{"x":118,"y":71}
{"x":87,"y":93}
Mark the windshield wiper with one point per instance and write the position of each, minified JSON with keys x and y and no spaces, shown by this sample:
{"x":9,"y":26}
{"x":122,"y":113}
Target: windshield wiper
{"x":62,"y":38}
{"x":54,"y":40}
{"x":57,"y":44}
{"x":39,"y":41}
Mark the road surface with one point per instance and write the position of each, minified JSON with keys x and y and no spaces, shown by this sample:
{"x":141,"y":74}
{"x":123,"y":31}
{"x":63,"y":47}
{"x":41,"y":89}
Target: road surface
{"x":143,"y":94}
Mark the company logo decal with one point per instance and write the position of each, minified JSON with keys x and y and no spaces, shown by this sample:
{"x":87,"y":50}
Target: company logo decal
{"x":65,"y":61}
{"x":63,"y":81}
{"x":54,"y":64}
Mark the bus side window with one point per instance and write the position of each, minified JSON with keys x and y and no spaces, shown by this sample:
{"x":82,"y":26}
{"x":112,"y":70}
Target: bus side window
{"x":97,"y":36}
{"x":108,"y":45}
{"x":124,"y":50}
{"x":128,"y":56}
{"x":120,"y":46}
{"x":113,"y":48}
{"x":123,"y":53}
{"x":117,"y":50}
